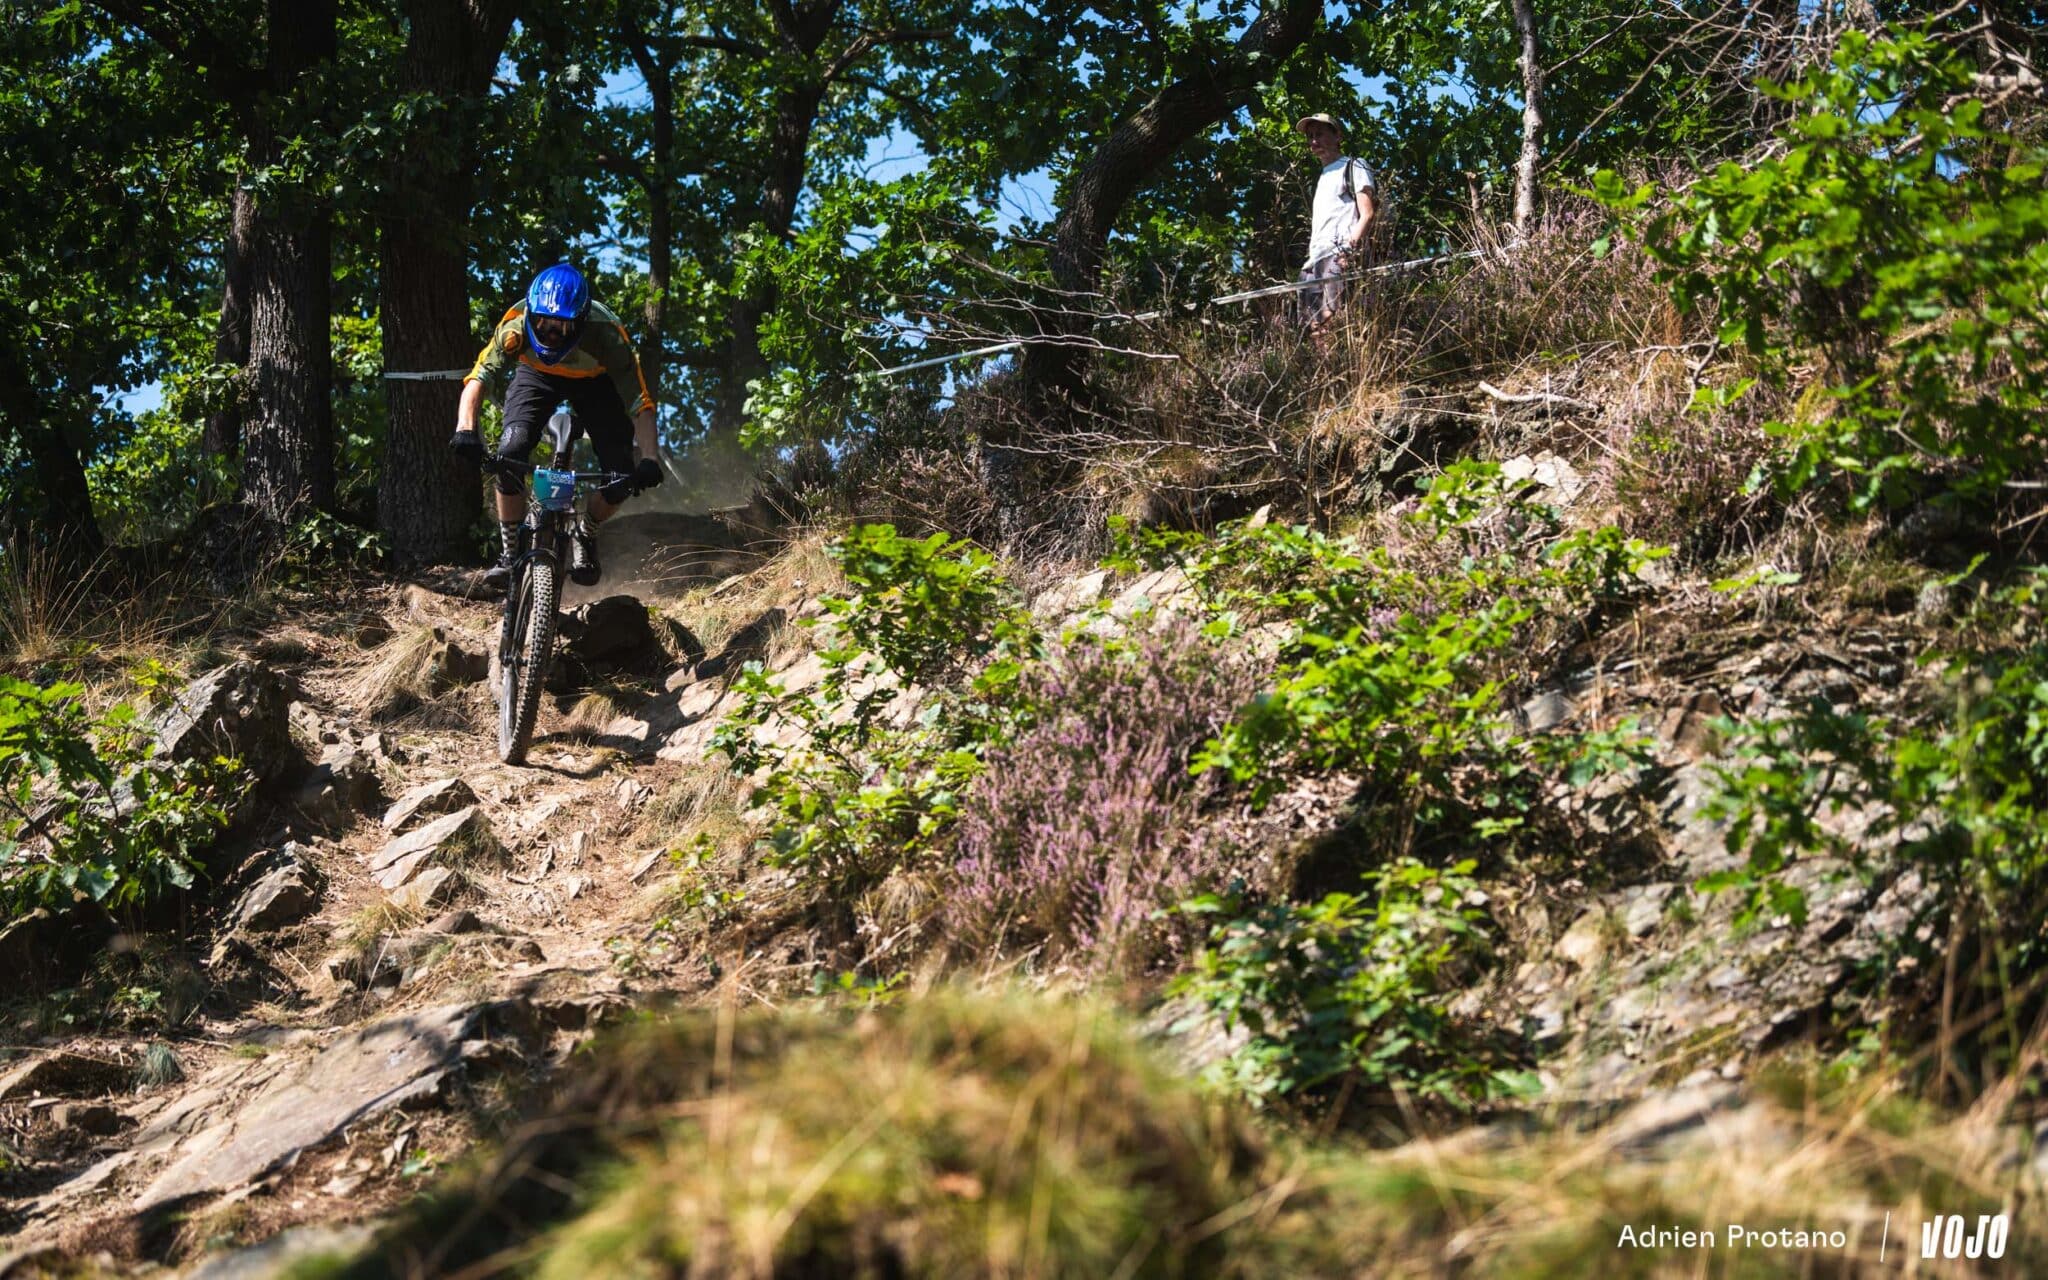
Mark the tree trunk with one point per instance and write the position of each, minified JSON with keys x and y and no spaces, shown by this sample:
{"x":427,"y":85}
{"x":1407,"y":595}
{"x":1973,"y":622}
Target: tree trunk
{"x":1532,"y":120}
{"x":288,"y":455}
{"x":61,"y":521}
{"x":1124,"y":161}
{"x":659,"y":189}
{"x":288,"y":452}
{"x":231,"y":334}
{"x":426,"y":500}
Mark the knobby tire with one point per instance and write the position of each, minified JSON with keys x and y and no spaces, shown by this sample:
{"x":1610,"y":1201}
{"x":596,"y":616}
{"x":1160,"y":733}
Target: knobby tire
{"x":529,"y":632}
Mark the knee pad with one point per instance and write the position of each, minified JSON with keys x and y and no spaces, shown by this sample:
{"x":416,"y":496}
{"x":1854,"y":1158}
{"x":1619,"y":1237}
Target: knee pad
{"x":617,"y":491}
{"x":510,"y":483}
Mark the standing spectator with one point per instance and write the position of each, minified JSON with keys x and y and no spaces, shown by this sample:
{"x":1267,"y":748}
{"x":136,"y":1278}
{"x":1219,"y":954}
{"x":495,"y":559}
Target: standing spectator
{"x":1341,"y":214}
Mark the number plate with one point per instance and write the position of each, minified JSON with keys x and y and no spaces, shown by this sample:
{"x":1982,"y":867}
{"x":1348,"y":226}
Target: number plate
{"x":554,"y":490}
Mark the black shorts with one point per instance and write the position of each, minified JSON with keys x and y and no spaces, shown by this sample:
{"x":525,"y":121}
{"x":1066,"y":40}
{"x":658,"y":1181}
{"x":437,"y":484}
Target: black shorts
{"x":532,"y":397}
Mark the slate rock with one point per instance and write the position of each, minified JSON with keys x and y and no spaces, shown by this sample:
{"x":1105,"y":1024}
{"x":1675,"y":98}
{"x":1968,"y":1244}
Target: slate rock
{"x":284,"y":1252}
{"x":238,"y":710}
{"x":443,"y":795}
{"x":453,"y":666}
{"x":451,"y":837}
{"x":64,"y":1075}
{"x":614,"y":631}
{"x":286,"y":891}
{"x":1070,"y":596}
{"x":460,"y":920}
{"x":344,"y":783}
{"x":95,"y":1118}
{"x":427,"y":891}
{"x":404,"y":1061}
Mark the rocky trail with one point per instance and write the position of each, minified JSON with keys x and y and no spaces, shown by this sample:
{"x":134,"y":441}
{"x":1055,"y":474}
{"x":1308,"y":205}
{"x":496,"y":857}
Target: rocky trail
{"x":408,"y":934}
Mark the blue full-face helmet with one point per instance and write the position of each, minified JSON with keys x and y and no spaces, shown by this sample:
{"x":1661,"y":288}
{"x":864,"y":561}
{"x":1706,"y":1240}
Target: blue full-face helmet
{"x":562,"y":293}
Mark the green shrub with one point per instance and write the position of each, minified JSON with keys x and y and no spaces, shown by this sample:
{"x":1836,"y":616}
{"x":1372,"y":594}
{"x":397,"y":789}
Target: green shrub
{"x":1394,"y":667}
{"x":1900,"y":237}
{"x":1961,"y":799}
{"x":93,"y":817}
{"x":1353,"y":986}
{"x":853,"y":794}
{"x":154,"y":477}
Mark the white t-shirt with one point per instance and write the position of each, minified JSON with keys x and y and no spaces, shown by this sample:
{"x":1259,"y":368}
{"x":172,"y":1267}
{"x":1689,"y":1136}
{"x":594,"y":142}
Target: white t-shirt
{"x":1332,"y":217}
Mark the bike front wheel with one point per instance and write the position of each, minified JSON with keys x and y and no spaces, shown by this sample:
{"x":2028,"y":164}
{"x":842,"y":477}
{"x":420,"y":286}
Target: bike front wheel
{"x":525,"y":647}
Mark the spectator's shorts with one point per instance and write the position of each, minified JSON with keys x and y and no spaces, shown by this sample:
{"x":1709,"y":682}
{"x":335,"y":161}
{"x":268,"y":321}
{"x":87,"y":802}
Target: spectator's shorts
{"x":1320,"y":303}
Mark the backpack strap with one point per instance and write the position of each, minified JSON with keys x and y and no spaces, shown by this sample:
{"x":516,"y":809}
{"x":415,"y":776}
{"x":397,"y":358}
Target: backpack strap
{"x":1350,"y":188}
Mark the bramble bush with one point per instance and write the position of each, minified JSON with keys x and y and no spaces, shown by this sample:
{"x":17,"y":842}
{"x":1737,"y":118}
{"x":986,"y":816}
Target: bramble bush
{"x":1087,"y":826}
{"x":92,"y":816}
{"x":1901,"y":237}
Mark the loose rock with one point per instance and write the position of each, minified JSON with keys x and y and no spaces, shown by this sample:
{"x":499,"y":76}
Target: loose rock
{"x":444,"y":795}
{"x":466,"y":833}
{"x":64,"y":1075}
{"x":453,"y":666}
{"x":614,"y":632}
{"x":429,"y":890}
{"x":344,"y":783}
{"x":459,"y":920}
{"x":88,"y":1117}
{"x":287,"y":891}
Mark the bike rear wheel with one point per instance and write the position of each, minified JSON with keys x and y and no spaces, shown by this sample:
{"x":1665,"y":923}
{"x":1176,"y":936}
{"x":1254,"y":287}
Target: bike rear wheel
{"x":525,"y":646}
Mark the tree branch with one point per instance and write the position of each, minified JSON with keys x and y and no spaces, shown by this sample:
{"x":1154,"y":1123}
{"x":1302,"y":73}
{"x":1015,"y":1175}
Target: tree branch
{"x":194,"y":43}
{"x":725,"y":43}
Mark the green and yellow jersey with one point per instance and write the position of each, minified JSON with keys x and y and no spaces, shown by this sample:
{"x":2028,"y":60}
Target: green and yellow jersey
{"x":603,"y":351}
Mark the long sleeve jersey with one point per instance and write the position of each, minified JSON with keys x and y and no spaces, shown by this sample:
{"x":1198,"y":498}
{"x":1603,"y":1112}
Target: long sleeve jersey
{"x":603,"y":351}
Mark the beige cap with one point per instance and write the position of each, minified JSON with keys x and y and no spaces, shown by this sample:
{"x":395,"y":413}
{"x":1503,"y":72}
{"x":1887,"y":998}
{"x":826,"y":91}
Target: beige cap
{"x":1301,"y":125}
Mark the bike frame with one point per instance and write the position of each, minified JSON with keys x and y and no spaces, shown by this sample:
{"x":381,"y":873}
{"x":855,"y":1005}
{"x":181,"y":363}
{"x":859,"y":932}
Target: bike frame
{"x":526,"y":634}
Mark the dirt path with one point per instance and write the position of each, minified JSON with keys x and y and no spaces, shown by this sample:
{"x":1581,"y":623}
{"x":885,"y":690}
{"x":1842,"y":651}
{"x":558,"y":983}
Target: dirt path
{"x":334,"y":1060}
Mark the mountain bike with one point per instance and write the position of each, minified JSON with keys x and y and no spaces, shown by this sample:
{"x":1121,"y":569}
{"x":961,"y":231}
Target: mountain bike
{"x":526,"y":636}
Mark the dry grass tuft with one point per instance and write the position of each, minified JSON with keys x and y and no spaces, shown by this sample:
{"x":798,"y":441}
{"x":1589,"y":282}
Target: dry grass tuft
{"x":94,"y":621}
{"x":593,"y":712}
{"x":702,"y":800}
{"x":398,"y":675}
{"x":952,"y":1136}
{"x":1789,"y":1158}
{"x":378,"y":920}
{"x":1009,"y":1135}
{"x":798,"y":569}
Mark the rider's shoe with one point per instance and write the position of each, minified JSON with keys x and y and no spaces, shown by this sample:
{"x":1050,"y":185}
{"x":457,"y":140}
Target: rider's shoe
{"x":499,"y":575}
{"x":583,"y":566}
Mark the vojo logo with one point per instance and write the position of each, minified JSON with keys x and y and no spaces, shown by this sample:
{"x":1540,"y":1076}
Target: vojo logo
{"x":1951,"y":1236}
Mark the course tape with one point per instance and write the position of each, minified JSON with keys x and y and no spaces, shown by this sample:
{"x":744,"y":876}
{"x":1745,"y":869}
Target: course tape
{"x":1228,"y":299}
{"x":1248,"y":295}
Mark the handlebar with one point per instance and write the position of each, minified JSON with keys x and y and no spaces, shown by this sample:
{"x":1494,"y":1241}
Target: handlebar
{"x":495,"y":463}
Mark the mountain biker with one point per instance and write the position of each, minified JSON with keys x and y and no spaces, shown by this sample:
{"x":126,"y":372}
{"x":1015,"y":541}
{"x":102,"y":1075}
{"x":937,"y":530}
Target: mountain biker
{"x":560,"y":345}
